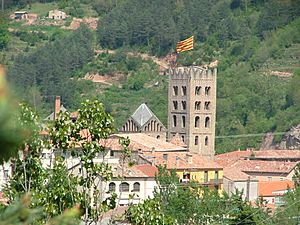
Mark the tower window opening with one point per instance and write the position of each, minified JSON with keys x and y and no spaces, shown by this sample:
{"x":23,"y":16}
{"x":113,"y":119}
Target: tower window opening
{"x":196,"y":140}
{"x":198,"y":90}
{"x":197,"y":121}
{"x":207,"y":106}
{"x":207,"y":90}
{"x":197,"y":105}
{"x":183,"y":121}
{"x":183,"y":104}
{"x":174,"y":121}
{"x":175,"y":90}
{"x":175,"y":105}
{"x":183,"y":90}
{"x":206,"y":141}
{"x":207,"y":122}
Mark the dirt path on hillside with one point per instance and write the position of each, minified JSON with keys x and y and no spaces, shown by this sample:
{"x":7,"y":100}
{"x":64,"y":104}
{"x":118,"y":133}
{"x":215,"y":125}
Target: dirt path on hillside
{"x":163,"y":62}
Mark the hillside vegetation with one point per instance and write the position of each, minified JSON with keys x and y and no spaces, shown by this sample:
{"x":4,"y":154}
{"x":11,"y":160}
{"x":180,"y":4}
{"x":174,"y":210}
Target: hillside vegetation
{"x":255,"y":41}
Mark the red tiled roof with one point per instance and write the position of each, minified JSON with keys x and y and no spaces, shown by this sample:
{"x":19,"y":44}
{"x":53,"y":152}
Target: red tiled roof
{"x":147,"y":169}
{"x":143,"y":170}
{"x":176,"y":140}
{"x":258,"y":154}
{"x":264,"y":166}
{"x":269,"y":188}
{"x":180,"y":160}
{"x":143,"y":142}
{"x":236,"y":174}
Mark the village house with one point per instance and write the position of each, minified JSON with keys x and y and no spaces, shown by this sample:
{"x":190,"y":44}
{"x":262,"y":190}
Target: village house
{"x":247,"y":170}
{"x":189,"y":167}
{"x":131,"y":184}
{"x":57,"y":14}
{"x":272,"y":192}
{"x":21,"y":15}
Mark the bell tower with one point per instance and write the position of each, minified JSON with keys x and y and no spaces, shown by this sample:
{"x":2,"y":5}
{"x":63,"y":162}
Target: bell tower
{"x":192,"y":107}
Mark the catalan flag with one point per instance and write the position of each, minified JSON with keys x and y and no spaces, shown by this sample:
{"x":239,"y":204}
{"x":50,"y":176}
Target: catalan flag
{"x":185,"y":45}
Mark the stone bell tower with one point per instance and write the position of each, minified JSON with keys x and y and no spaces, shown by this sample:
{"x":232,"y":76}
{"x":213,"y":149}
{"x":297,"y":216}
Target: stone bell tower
{"x":192,"y":107}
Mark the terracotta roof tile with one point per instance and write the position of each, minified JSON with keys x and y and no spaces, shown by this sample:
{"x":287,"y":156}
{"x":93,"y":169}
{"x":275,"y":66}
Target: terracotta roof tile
{"x":147,"y":169}
{"x":264,"y":166}
{"x":143,"y":142}
{"x":261,"y":154}
{"x":176,"y":140}
{"x":180,"y":160}
{"x":143,"y":170}
{"x":274,"y":188}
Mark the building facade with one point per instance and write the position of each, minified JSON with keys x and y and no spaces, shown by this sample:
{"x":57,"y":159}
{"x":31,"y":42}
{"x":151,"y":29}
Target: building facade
{"x":192,"y":108}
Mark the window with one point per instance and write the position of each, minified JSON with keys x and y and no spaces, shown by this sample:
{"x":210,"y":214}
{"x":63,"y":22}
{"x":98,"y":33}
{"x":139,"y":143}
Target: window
{"x":157,"y":137}
{"x":112,"y":187}
{"x":197,"y":121}
{"x":196,"y":140}
{"x":174,"y":121}
{"x":183,"y":90}
{"x":197,"y":105}
{"x":216,"y":175}
{"x":175,"y":90}
{"x":111,"y":153}
{"x":182,"y":138}
{"x":183,"y":121}
{"x":207,"y":106}
{"x":206,"y":140}
{"x":207,"y":90}
{"x":207,"y":121}
{"x":270,"y":178}
{"x":175,"y":105}
{"x":136,"y":187}
{"x":124,"y":186}
{"x":205,"y":176}
{"x":5,"y":174}
{"x":183,"y":104}
{"x":198,"y":90}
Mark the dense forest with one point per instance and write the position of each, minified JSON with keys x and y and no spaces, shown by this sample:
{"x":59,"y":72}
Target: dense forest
{"x":252,"y":39}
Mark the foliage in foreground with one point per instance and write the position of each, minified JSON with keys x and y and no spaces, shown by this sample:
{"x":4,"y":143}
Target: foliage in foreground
{"x":179,"y":203}
{"x":55,"y":189}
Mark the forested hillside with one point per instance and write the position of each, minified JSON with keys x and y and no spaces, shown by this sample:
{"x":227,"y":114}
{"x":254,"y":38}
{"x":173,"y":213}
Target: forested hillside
{"x":255,"y":41}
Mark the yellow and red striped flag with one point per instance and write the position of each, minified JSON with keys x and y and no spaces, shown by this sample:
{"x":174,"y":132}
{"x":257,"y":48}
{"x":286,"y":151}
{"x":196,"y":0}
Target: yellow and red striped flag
{"x":185,"y":45}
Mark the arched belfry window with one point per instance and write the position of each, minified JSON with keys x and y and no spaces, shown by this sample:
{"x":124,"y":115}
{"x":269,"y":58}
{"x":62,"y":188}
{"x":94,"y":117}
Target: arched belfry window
{"x":197,"y":105}
{"x":175,"y":105}
{"x":207,"y":121}
{"x":175,"y":90}
{"x":183,"y":121}
{"x":196,"y":140}
{"x":206,"y":141}
{"x":174,"y":121}
{"x":197,"y":121}
{"x":207,"y":90}
{"x":207,"y":106}
{"x":197,"y":90}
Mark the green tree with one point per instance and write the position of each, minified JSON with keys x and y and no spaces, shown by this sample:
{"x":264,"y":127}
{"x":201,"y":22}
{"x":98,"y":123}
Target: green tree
{"x":92,"y":125}
{"x":4,"y":34}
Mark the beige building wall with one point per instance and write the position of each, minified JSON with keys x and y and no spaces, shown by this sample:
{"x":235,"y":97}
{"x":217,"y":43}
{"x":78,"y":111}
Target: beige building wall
{"x":192,"y":108}
{"x":230,"y":186}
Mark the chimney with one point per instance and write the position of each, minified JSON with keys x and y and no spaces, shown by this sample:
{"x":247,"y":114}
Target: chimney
{"x":56,"y":107}
{"x":189,"y":158}
{"x":153,"y":150}
{"x":153,"y":162}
